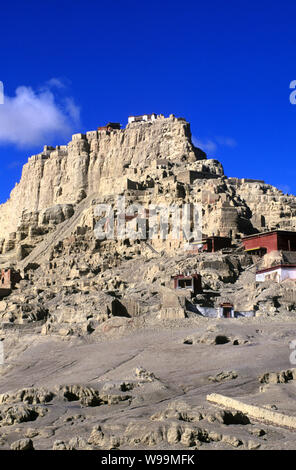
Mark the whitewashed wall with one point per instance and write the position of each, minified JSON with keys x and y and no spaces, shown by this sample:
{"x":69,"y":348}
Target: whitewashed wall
{"x":282,"y":273}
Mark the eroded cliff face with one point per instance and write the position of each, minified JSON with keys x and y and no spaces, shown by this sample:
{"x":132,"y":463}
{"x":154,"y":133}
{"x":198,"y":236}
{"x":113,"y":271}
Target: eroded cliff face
{"x":92,"y":163}
{"x":148,"y":162}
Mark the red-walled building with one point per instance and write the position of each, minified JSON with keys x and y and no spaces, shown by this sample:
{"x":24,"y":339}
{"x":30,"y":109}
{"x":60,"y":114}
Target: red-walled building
{"x":8,"y":279}
{"x":276,"y":240}
{"x":111,"y":126}
{"x":210,"y":244}
{"x":191,"y":282}
{"x":215,"y":243}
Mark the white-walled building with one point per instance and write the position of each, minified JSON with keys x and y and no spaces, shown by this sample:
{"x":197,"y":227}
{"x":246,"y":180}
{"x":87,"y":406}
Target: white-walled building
{"x":277,"y":273}
{"x":143,"y":117}
{"x":225,"y":310}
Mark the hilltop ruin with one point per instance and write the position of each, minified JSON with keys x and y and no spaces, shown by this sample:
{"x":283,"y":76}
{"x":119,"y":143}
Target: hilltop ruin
{"x":47,"y":230}
{"x":147,"y":326}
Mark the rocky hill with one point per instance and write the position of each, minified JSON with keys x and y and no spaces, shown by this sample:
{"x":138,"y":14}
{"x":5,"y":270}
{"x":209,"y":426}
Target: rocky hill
{"x":96,"y":324}
{"x":151,"y":161}
{"x":47,"y":228}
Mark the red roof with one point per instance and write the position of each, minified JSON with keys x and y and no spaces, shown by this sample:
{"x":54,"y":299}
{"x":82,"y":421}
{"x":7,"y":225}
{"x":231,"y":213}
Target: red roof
{"x":263,"y":234}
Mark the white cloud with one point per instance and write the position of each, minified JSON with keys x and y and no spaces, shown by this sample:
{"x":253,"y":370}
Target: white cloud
{"x":226,"y":141}
{"x":1,"y":93}
{"x":72,"y":109}
{"x":34,"y":117}
{"x":211,"y":145}
{"x":55,"y":83}
{"x":13,"y":164}
{"x":285,"y":188}
{"x":206,"y":145}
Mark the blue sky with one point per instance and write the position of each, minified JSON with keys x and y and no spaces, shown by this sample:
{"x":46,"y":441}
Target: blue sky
{"x":225,"y":66}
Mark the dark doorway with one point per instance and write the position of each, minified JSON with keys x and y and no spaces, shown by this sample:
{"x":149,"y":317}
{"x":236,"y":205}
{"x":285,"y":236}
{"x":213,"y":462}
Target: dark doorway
{"x":226,"y":312}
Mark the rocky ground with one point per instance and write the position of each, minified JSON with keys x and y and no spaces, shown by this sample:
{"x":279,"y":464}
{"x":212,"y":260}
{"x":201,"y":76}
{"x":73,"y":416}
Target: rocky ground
{"x":137,"y":384}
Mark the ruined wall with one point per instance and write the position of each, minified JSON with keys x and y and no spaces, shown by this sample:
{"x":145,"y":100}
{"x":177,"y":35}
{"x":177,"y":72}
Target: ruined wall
{"x":269,"y":207}
{"x":154,"y":163}
{"x":69,"y":173}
